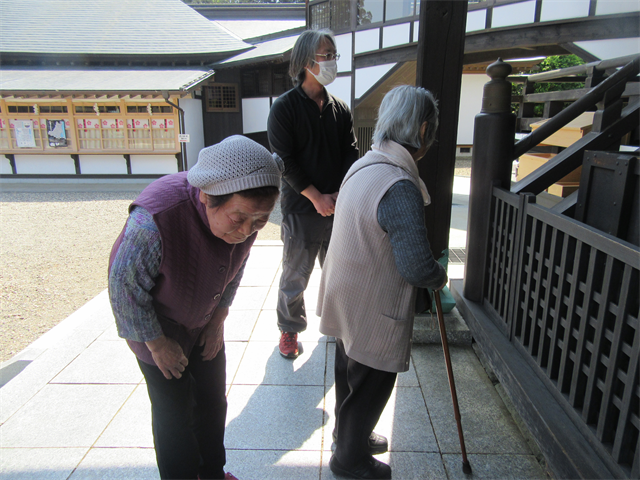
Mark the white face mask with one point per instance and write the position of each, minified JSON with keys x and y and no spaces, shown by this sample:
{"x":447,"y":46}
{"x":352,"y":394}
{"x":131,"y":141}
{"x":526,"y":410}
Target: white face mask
{"x":328,"y":72}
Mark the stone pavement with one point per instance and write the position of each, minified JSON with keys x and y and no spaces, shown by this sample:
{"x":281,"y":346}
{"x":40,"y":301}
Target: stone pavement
{"x":73,"y":405}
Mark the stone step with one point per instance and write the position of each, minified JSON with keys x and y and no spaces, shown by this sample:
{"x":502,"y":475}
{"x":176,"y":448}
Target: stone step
{"x":427,"y":331}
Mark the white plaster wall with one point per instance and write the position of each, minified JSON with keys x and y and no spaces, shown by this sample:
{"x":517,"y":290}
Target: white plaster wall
{"x":416,"y":30}
{"x":367,"y":40}
{"x":341,"y":88}
{"x":476,"y":20}
{"x":103,"y":164}
{"x":367,"y":77}
{"x":470,"y":105}
{"x":344,"y":45}
{"x":194,"y":127}
{"x":5,"y":166}
{"x":255,"y":112}
{"x":610,"y":7}
{"x":561,"y":9}
{"x":45,"y":164}
{"x":396,"y":35}
{"x":516,"y":14}
{"x":153,"y":164}
{"x":612,"y":48}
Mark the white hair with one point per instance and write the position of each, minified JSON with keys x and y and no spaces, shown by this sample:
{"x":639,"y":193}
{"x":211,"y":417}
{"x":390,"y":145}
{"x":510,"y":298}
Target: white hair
{"x":401,"y":114}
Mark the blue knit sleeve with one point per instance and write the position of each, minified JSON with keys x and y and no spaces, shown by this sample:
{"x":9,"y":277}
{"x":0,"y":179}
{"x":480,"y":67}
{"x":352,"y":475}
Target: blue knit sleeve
{"x":132,"y":276}
{"x":401,"y":215}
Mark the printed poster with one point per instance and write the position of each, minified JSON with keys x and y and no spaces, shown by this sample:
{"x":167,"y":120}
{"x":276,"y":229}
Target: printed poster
{"x":24,"y":134}
{"x":57,"y":133}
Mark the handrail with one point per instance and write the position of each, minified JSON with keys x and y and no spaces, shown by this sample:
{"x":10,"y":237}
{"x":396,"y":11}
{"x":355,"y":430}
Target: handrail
{"x":582,"y":69}
{"x":574,"y":110}
{"x":560,"y":79}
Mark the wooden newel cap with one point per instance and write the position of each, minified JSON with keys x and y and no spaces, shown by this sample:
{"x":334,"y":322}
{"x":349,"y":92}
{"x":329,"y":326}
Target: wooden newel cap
{"x":496,"y":96}
{"x":499,"y":70}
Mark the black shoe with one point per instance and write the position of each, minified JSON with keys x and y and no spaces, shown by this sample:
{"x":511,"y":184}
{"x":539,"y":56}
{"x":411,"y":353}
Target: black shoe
{"x":367,"y":468}
{"x":377,"y":443}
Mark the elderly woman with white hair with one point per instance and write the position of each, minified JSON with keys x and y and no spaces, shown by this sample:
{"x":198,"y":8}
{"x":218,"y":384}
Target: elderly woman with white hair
{"x":173,"y":274}
{"x":379,"y":255}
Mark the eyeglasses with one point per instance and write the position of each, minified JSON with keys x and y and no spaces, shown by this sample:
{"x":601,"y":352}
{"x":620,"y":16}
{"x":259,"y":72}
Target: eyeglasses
{"x":329,"y":56}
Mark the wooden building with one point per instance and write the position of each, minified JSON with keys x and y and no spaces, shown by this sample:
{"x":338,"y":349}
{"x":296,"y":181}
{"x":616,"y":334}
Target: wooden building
{"x":378,"y":43}
{"x":110,"y":85}
{"x":106,"y":87}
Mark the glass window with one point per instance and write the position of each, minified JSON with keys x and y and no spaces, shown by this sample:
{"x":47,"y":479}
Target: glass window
{"x":340,"y":15}
{"x":19,"y":109}
{"x":145,"y":109}
{"x":398,"y":9}
{"x":222,"y":98}
{"x":320,"y":15}
{"x":164,"y":134}
{"x":100,"y":108}
{"x":370,"y":11}
{"x":52,"y":108}
{"x":139,"y":134}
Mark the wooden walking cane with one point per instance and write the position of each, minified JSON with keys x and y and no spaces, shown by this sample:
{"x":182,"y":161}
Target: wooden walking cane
{"x":466,"y":468}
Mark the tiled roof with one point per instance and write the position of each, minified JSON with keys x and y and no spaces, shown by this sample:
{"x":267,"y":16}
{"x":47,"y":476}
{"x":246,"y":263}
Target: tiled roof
{"x":262,"y":51}
{"x":100,"y":79}
{"x":121,"y":27}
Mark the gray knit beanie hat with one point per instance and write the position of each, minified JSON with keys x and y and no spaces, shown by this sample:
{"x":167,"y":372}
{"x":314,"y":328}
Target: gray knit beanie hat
{"x":235,"y":164}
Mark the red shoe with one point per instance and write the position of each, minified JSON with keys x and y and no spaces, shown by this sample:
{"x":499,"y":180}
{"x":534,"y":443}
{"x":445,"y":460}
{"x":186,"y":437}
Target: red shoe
{"x":289,"y":347}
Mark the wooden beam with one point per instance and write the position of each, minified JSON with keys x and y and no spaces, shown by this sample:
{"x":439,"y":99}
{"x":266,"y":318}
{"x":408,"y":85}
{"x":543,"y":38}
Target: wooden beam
{"x":522,"y":41}
{"x":378,"y":84}
{"x":552,"y":33}
{"x":442,"y":22}
{"x":386,"y":56}
{"x":506,"y":54}
{"x":576,"y":50}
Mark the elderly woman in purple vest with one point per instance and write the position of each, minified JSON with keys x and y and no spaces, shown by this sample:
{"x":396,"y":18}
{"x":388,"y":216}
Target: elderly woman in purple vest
{"x":173,"y":274}
{"x":379,"y":255}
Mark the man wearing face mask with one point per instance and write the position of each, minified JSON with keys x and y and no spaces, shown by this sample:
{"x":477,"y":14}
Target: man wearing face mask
{"x":312,"y":131}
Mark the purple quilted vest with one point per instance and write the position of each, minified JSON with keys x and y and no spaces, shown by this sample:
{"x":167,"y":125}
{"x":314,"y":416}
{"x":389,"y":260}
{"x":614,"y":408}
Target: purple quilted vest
{"x":196,"y":265}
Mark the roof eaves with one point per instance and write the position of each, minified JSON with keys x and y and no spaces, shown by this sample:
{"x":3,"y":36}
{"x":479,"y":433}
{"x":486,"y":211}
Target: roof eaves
{"x":275,"y":36}
{"x":275,"y":58}
{"x":195,"y":83}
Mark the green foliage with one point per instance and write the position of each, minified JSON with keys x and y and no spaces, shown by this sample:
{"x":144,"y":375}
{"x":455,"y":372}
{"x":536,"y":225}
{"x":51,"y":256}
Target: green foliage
{"x":555,"y":63}
{"x":550,"y":63}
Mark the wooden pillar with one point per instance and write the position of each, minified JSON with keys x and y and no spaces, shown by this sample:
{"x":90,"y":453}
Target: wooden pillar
{"x":439,"y":70}
{"x":493,"y":137}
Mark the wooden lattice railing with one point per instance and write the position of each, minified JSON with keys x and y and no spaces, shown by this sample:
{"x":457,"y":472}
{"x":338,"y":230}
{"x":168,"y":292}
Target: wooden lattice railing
{"x":567,"y":295}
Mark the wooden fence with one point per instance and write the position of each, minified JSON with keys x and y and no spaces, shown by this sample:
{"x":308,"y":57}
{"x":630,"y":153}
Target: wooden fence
{"x":567,"y":296}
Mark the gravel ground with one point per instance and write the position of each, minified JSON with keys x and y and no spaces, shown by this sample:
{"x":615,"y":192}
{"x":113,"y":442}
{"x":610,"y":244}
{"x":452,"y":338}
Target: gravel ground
{"x":54,"y":250}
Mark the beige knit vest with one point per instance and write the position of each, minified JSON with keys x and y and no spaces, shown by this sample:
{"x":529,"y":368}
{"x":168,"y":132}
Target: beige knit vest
{"x":363,"y":300}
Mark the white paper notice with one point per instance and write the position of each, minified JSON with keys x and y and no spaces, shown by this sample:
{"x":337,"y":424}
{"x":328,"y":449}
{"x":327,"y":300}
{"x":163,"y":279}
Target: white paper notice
{"x":24,"y":134}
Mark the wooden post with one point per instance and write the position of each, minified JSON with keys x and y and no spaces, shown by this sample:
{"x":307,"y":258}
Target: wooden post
{"x":439,"y":70}
{"x":493,"y":139}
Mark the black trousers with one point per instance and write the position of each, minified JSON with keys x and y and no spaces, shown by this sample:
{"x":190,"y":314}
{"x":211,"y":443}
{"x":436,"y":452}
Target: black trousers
{"x":361,"y":394}
{"x":189,"y":417}
{"x":306,"y":237}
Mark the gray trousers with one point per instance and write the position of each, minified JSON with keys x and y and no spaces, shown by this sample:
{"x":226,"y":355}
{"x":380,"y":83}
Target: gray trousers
{"x":306,"y":237}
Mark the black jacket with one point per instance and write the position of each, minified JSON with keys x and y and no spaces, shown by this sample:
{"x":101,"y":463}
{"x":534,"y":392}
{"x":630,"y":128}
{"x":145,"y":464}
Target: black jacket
{"x":317,"y":147}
